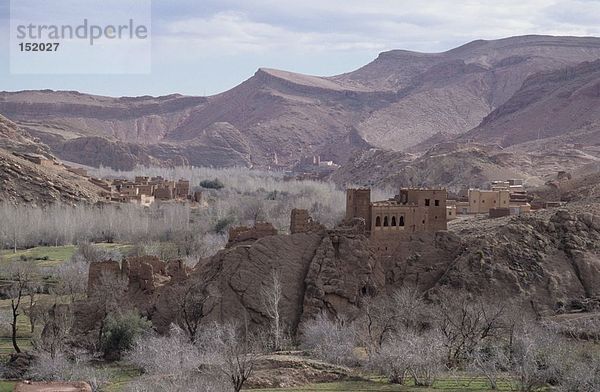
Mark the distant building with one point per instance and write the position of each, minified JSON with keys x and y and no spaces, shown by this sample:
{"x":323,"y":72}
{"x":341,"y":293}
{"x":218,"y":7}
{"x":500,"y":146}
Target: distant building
{"x":481,"y":201}
{"x":411,"y":211}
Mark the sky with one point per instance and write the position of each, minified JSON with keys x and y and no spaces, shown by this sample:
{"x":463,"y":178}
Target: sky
{"x":203,"y":47}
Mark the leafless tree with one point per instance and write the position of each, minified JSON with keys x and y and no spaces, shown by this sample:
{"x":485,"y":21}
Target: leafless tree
{"x":271,"y":296}
{"x":418,"y":355}
{"x":56,"y":330}
{"x":537,"y":358}
{"x":71,"y":280}
{"x":385,"y":315}
{"x":23,"y":277}
{"x":61,"y":368}
{"x":490,"y":362}
{"x":169,"y":354}
{"x":466,"y":321}
{"x":107,"y":296}
{"x":193,"y":302}
{"x":253,"y":210}
{"x":172,"y":363}
{"x":390,"y":361}
{"x":425,"y":356}
{"x":582,"y":374}
{"x":235,"y":351}
{"x":330,"y":340}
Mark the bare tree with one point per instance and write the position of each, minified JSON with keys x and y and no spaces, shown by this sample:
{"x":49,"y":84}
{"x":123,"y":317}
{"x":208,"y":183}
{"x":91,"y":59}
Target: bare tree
{"x":236,"y":352}
{"x":56,"y":330}
{"x":582,"y":374}
{"x":23,"y":277}
{"x":193,"y":302}
{"x":390,"y":361}
{"x":465,"y":322}
{"x":330,"y":340}
{"x":490,"y":362}
{"x":385,"y":315}
{"x":169,"y":354}
{"x":72,"y":280}
{"x":407,"y":353}
{"x":424,"y":355}
{"x":537,"y":358}
{"x":61,"y":368}
{"x":254,"y":210}
{"x":172,"y":363}
{"x":106,"y":296}
{"x":271,"y":296}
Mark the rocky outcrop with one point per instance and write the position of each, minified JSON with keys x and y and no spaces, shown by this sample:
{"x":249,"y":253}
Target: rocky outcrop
{"x":343,"y":270}
{"x":549,"y":258}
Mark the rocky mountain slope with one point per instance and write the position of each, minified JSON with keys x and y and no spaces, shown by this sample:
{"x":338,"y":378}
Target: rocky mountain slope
{"x":562,"y":106}
{"x":456,"y":165}
{"x":25,"y":182}
{"x":399,"y":100}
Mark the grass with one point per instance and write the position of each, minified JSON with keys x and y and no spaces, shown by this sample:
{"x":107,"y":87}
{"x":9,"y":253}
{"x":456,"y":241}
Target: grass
{"x":49,"y":256}
{"x":449,"y":383}
{"x":120,"y":375}
{"x":7,"y":386}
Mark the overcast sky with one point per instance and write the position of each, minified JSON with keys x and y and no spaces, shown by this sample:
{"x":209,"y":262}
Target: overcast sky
{"x":202,"y":47}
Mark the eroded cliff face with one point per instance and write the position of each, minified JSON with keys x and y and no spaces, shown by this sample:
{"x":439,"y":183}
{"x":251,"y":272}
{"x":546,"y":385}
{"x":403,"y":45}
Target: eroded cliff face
{"x":550,"y":258}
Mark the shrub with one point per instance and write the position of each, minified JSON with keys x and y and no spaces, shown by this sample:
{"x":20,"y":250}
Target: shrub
{"x":59,"y":368}
{"x":120,"y":332}
{"x":212,"y":184}
{"x":330,"y":340}
{"x":223,"y":224}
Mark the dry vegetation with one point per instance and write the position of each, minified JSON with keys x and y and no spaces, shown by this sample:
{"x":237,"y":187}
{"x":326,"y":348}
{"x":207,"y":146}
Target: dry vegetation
{"x":411,"y":340}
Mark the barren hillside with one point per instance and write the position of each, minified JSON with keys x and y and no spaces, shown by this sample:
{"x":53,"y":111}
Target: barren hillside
{"x":397,"y":101}
{"x":23,"y":181}
{"x":562,"y":106}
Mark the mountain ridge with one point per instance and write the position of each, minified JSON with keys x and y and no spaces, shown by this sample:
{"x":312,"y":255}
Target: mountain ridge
{"x":398,"y":101}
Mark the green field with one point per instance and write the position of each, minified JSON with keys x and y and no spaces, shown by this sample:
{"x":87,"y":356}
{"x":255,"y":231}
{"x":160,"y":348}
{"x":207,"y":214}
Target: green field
{"x":47,"y":256}
{"x":445,"y":384}
{"x":7,"y":386}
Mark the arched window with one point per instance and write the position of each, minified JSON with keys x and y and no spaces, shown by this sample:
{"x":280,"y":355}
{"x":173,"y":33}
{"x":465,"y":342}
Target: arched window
{"x":378,"y":221}
{"x":401,"y":221}
{"x":393,"y":221}
{"x":385,"y":221}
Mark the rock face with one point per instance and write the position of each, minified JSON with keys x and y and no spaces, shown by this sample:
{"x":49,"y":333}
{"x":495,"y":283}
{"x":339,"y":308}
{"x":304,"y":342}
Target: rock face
{"x":549,"y":261}
{"x":343,"y":270}
{"x":399,"y":100}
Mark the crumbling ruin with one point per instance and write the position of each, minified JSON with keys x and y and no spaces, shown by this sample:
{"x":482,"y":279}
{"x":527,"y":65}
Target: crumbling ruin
{"x":302,"y":222}
{"x":245,"y":235}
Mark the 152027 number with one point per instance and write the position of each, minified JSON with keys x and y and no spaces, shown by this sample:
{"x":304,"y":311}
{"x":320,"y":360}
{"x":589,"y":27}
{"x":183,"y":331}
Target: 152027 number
{"x":39,"y":46}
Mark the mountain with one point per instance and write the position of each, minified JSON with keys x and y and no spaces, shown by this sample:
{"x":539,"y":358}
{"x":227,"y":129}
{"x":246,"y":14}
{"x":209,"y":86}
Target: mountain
{"x":30,"y":174}
{"x":450,"y":165}
{"x":561,"y":105}
{"x":396,"y":102}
